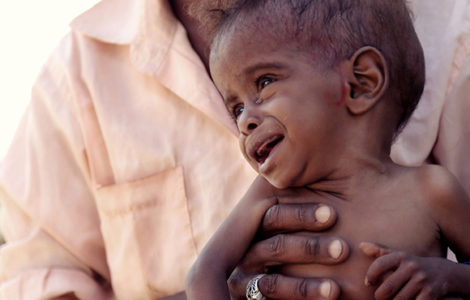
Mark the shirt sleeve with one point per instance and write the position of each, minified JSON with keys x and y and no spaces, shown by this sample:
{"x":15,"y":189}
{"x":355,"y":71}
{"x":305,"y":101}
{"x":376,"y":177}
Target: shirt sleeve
{"x":46,"y":197}
{"x":453,"y":142}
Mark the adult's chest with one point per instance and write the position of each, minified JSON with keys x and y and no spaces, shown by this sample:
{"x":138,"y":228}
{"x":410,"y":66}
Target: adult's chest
{"x":175,"y":175}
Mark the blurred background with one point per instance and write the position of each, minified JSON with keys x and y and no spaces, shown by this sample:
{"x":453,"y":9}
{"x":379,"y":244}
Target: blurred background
{"x":29,"y":31}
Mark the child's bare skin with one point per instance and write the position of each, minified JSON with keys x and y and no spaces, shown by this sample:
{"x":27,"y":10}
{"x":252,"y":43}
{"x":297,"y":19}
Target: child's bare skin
{"x":329,"y":127}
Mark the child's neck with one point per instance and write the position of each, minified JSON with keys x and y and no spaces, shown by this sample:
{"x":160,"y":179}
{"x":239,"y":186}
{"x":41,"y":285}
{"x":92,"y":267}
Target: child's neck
{"x":367,"y":142}
{"x":358,"y":169}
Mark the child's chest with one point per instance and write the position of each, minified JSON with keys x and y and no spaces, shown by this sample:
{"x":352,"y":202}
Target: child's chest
{"x":400,"y":224}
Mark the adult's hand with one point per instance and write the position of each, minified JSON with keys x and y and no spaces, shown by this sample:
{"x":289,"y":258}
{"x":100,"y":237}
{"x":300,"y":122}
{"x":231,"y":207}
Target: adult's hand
{"x":296,"y":210}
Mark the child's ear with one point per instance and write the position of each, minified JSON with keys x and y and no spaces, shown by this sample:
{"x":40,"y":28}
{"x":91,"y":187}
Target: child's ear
{"x":366,"y":73}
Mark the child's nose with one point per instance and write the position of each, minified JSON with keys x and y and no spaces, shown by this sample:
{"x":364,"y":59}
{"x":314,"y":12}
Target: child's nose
{"x":248,"y":121}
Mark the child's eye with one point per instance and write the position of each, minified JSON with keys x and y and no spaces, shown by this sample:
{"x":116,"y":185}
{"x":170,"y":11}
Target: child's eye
{"x":263,"y":81}
{"x":237,"y":110}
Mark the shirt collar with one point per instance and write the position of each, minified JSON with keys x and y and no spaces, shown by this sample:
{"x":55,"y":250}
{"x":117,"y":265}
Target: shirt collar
{"x":102,"y":21}
{"x":159,"y":46}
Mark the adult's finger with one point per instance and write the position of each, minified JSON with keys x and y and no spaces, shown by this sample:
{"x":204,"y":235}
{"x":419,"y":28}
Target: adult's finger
{"x":284,"y":217}
{"x":275,"y":286}
{"x":284,"y":249}
{"x":292,"y":248}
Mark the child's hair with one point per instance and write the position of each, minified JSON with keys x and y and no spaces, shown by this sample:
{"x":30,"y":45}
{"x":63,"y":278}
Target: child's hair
{"x":336,"y":29}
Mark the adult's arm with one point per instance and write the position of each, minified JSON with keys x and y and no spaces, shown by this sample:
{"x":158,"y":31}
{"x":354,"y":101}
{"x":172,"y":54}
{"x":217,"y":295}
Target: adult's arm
{"x":54,"y":246}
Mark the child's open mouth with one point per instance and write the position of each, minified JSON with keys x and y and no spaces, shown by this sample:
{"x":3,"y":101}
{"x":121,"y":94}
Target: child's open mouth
{"x":263,"y":152}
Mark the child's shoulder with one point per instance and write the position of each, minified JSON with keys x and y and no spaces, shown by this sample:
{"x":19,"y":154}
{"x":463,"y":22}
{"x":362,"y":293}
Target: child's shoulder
{"x":435,"y":179}
{"x":438,"y":187}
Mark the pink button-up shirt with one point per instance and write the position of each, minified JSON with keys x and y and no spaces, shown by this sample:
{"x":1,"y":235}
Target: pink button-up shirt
{"x":126,"y":159}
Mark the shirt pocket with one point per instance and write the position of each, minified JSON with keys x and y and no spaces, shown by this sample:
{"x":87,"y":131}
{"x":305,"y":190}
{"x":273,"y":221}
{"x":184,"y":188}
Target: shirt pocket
{"x":147,"y":232}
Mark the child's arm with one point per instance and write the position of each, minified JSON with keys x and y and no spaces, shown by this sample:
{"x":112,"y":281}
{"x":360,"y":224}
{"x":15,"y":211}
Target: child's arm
{"x":428,"y":277}
{"x":399,"y":275}
{"x":207,"y":278}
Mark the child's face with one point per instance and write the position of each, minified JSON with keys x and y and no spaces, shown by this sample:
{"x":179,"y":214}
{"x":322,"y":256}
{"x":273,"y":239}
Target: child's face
{"x":287,"y":108}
